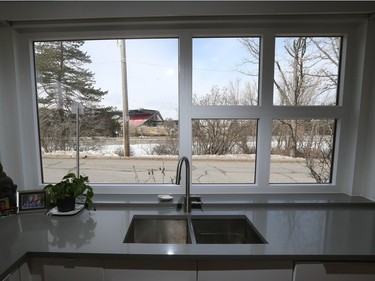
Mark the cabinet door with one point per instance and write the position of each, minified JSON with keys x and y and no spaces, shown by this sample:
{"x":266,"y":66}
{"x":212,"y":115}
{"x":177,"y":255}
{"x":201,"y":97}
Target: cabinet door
{"x":25,"y":274}
{"x":149,"y":270}
{"x":343,"y":271}
{"x":14,"y":276}
{"x":248,"y":275}
{"x":148,"y":275}
{"x":245,"y":271}
{"x":72,"y":269}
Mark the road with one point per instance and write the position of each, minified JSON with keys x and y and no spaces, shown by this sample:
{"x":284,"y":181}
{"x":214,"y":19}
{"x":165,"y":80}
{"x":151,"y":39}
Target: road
{"x":151,"y":170}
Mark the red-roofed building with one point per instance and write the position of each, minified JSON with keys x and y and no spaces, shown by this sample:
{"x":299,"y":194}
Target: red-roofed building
{"x":146,"y":117}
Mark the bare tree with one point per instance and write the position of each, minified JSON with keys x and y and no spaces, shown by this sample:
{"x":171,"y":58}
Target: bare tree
{"x":329,"y":59}
{"x":169,"y":144}
{"x":55,"y":135}
{"x":251,"y":44}
{"x":318,"y":150}
{"x":294,"y":83}
{"x":232,"y":94}
{"x":224,"y":136}
{"x":306,"y":73}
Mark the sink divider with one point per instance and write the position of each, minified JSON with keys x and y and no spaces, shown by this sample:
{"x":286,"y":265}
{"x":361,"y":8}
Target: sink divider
{"x":191,"y":230}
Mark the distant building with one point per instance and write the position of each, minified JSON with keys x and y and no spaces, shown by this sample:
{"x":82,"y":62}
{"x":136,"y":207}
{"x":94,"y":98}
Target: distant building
{"x":145,"y":117}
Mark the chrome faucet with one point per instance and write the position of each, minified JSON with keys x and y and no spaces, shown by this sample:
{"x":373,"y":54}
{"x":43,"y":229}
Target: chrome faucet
{"x":187,"y":206}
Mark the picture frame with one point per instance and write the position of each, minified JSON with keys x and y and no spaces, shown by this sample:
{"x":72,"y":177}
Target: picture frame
{"x":4,"y":203}
{"x":32,"y":201}
{"x":5,"y":207}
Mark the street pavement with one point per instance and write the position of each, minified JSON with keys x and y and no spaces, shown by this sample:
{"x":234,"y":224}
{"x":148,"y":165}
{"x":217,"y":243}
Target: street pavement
{"x":163,"y":170}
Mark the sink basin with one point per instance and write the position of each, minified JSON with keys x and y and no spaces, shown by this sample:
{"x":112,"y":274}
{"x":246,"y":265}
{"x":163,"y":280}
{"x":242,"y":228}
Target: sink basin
{"x":225,"y":230}
{"x":158,"y":229}
{"x":192,"y":230}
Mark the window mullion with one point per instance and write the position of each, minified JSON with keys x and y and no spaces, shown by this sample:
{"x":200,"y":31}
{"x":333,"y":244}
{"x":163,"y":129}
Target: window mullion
{"x":266,"y":74}
{"x":185,"y":95}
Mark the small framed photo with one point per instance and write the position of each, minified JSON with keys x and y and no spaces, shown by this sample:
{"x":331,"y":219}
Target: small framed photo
{"x":32,"y":201}
{"x":6,"y":209}
{"x":4,"y":203}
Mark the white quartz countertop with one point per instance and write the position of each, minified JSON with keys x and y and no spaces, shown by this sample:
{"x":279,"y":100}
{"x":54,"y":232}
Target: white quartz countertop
{"x":294,"y":231}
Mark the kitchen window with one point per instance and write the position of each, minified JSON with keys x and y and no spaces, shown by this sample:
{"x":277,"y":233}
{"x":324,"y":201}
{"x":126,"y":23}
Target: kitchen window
{"x":302,"y":151}
{"x":306,"y":71}
{"x":226,"y":71}
{"x":224,"y":151}
{"x":109,"y":77}
{"x":252,"y":111}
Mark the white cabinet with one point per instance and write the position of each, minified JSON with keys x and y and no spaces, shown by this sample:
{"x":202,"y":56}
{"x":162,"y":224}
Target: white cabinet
{"x":149,"y":270}
{"x":156,"y":269}
{"x":148,"y":275}
{"x":25,"y":274}
{"x":20,"y":274}
{"x":245,"y":270}
{"x":335,"y":271}
{"x":248,"y":275}
{"x":14,"y":276}
{"x":61,"y":269}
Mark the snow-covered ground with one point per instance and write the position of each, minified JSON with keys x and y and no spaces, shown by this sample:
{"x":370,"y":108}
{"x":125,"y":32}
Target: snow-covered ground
{"x":144,"y":150}
{"x":113,"y":150}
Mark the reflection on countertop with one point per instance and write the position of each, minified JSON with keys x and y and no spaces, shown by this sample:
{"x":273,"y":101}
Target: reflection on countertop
{"x":75,"y":231}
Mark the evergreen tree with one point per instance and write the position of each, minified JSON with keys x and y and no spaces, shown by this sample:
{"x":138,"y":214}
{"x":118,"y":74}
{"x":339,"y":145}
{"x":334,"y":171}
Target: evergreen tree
{"x":62,"y":80}
{"x":62,"y":76}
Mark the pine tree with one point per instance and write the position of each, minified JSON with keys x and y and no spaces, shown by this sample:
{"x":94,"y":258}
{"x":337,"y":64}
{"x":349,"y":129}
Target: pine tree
{"x":61,"y":73}
{"x":62,"y":79}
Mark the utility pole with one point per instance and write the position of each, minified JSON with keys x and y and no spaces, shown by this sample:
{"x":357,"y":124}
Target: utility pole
{"x":125,"y":110}
{"x":78,"y":110}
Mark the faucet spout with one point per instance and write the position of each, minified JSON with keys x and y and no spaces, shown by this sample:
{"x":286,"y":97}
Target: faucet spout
{"x":184,"y":159}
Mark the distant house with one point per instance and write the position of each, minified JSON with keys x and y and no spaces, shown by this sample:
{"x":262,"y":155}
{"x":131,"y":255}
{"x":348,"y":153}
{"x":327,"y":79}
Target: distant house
{"x":146,"y":117}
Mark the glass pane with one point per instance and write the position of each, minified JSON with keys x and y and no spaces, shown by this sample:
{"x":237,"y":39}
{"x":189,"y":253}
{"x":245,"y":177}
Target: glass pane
{"x":306,"y":70}
{"x":225,"y":71}
{"x":302,"y":151}
{"x":90,"y":72}
{"x":224,"y":151}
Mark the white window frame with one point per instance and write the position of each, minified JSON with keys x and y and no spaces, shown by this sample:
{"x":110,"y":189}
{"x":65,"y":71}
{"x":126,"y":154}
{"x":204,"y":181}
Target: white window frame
{"x":267,"y":29}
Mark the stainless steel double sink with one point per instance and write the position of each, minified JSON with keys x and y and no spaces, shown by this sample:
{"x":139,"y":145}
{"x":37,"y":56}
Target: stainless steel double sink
{"x":165,"y":229}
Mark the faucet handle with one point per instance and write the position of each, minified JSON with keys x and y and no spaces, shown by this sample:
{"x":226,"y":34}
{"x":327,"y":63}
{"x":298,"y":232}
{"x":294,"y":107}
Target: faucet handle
{"x":195,"y":198}
{"x":196,"y":202}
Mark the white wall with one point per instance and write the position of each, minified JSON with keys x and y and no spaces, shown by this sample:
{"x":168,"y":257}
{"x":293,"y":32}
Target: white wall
{"x":10,"y":155}
{"x":365,"y":171}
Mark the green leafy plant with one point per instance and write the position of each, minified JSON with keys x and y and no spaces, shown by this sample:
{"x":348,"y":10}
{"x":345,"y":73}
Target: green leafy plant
{"x":71,"y":186}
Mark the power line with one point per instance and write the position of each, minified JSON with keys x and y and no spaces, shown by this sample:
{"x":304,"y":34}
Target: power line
{"x":169,"y":66}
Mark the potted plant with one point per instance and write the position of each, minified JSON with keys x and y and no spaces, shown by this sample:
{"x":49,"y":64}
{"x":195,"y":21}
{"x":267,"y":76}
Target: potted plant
{"x":64,"y":193}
